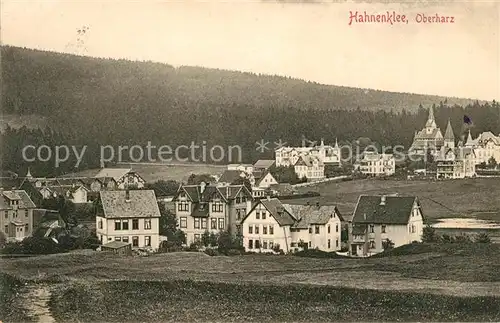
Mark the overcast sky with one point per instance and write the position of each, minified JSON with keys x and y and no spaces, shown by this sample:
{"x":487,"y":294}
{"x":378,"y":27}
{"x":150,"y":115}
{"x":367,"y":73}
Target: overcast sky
{"x":308,"y":41}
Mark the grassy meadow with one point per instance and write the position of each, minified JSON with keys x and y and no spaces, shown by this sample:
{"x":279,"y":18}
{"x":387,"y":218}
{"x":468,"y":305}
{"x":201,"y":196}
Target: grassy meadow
{"x":419,"y":282}
{"x":477,"y":197}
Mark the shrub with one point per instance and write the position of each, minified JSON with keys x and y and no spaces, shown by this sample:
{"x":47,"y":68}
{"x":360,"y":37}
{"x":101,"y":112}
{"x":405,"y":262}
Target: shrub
{"x":482,"y":238}
{"x":429,"y":234}
{"x":211,"y":252}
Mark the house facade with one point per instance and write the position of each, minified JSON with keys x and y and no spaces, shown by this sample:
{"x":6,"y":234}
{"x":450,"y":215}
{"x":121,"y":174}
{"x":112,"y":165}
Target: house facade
{"x":271,"y":226}
{"x":130,"y":216}
{"x":378,"y":218}
{"x":288,"y":156}
{"x":123,"y":177}
{"x":310,"y":167}
{"x":456,"y":163}
{"x":375,"y":164}
{"x":486,"y":146}
{"x":212,"y":208}
{"x":16,"y":214}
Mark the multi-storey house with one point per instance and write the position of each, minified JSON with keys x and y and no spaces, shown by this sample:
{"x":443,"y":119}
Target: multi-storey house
{"x":456,"y":163}
{"x":130,"y":216}
{"x":212,"y":208}
{"x":486,"y":146}
{"x":378,"y":219}
{"x":16,"y":214}
{"x":271,"y":226}
{"x":375,"y":164}
{"x":310,"y":167}
{"x":288,"y":156}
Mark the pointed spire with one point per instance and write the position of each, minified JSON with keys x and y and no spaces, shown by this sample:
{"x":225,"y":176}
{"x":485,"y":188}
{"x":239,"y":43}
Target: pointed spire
{"x":448,"y":135}
{"x":28,"y":174}
{"x":431,"y":122}
{"x":336,"y":143}
{"x":469,"y":139}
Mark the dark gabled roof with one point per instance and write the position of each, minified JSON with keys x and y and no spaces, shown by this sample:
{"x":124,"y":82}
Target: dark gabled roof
{"x":449,"y":132}
{"x":264,"y":163}
{"x":277,"y":211}
{"x":226,"y":193}
{"x":142,"y":204}
{"x":397,"y":209}
{"x":230,"y":176}
{"x":359,"y":229}
{"x":25,"y":201}
{"x":310,"y":214}
{"x":200,"y":210}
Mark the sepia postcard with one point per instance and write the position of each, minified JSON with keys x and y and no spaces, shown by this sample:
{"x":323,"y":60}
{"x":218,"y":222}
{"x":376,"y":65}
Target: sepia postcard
{"x":249,"y":161}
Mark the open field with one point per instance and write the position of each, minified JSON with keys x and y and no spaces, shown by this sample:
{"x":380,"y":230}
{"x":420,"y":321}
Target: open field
{"x":17,"y":121}
{"x":414,"y":282}
{"x":440,"y":199}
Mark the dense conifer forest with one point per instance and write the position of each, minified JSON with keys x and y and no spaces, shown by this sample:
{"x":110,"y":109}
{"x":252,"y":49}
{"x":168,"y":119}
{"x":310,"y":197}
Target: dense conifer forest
{"x":91,"y":101}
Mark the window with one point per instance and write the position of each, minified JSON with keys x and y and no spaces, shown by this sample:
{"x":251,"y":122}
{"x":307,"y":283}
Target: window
{"x":264,"y":215}
{"x":264,"y":245}
{"x":329,"y":244}
{"x":118,"y":239}
{"x":337,"y":228}
{"x":264,"y":229}
{"x":238,"y":230}
{"x":221,"y":224}
{"x":310,"y":230}
{"x":135,"y":224}
{"x":293,"y":244}
{"x":310,"y":244}
{"x":317,"y":230}
{"x":125,"y":225}
{"x":337,"y":243}
{"x":271,"y":229}
{"x":328,"y":228}
{"x":183,"y":206}
{"x":213,"y":224}
{"x":238,"y":200}
{"x":250,"y":229}
{"x":125,"y":239}
{"x":256,"y":229}
{"x":6,"y":229}
{"x":100,"y":224}
{"x":271,"y":245}
{"x":6,"y":214}
{"x":118,"y":225}
{"x":257,"y":215}
{"x":197,"y":223}
{"x":147,"y":241}
{"x":135,"y":241}
{"x":383,"y":228}
{"x":147,"y":224}
{"x":257,"y":244}
{"x":203,"y":223}
{"x":217,"y":207}
{"x":250,"y":244}
{"x":372,"y":228}
{"x":238,"y":214}
{"x":26,"y":213}
{"x":372,"y":244}
{"x":413,"y":229}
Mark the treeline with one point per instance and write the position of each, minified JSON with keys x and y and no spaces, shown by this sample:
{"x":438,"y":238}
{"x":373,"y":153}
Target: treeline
{"x":239,"y":126}
{"x":98,"y":102}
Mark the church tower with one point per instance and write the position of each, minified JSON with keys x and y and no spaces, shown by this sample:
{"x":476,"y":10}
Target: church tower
{"x":449,"y":137}
{"x":430,"y":125}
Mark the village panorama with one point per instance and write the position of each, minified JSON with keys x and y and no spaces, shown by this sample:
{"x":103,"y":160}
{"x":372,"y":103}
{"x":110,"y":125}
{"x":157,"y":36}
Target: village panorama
{"x":161,"y":163}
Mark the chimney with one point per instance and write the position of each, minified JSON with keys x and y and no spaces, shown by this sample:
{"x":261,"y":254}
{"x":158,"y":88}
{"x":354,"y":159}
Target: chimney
{"x":127,"y":195}
{"x":269,"y":197}
{"x":382,"y":200}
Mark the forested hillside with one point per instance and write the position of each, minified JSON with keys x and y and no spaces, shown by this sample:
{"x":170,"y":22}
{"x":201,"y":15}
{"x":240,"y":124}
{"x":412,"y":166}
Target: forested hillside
{"x":90,"y":101}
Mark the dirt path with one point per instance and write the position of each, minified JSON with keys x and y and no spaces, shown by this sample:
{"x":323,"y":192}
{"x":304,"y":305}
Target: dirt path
{"x":34,"y":299}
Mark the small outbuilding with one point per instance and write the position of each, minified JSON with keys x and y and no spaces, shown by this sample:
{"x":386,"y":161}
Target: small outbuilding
{"x":118,"y":247}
